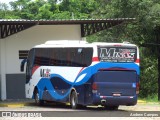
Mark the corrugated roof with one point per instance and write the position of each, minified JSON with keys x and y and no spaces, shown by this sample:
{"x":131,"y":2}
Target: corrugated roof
{"x":88,"y":26}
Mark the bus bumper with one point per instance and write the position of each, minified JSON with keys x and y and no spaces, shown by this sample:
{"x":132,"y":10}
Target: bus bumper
{"x":115,"y":101}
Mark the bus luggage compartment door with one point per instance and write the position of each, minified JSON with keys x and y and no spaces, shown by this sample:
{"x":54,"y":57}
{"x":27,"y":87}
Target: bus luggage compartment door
{"x":116,"y":85}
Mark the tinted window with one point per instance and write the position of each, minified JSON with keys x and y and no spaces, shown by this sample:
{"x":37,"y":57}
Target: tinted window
{"x":117,"y":54}
{"x":80,"y":57}
{"x":29,"y":65}
{"x":41,"y":57}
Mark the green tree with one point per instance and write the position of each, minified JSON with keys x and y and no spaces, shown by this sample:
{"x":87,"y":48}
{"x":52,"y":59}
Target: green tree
{"x":141,"y":31}
{"x":3,"y":10}
{"x":79,"y":9}
{"x":52,"y":9}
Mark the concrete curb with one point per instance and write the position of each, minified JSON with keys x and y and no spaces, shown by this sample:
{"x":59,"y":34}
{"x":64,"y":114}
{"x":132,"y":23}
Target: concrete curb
{"x":141,"y":102}
{"x":16,"y":103}
{"x":22,"y":104}
{"x":149,"y":103}
{"x":13,"y":105}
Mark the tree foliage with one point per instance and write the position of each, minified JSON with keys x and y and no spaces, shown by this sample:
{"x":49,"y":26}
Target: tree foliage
{"x":50,"y":9}
{"x":140,"y":32}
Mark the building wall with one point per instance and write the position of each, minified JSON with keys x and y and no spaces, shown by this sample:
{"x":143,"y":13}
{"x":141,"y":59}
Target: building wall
{"x":33,"y":36}
{"x":3,"y":68}
{"x":25,"y":40}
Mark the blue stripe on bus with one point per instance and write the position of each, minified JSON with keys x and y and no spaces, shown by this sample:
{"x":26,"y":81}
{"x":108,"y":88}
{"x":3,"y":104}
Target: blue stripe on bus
{"x":57,"y":75}
{"x":93,"y":69}
{"x":46,"y":82}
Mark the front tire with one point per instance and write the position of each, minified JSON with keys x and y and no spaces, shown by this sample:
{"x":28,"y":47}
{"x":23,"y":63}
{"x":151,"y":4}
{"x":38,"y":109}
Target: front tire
{"x":37,"y":99}
{"x":74,"y":100}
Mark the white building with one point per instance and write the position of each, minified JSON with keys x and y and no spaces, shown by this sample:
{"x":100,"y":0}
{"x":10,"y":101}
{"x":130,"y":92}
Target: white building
{"x":17,"y":36}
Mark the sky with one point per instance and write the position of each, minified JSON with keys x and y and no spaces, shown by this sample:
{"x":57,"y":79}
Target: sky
{"x":6,"y":1}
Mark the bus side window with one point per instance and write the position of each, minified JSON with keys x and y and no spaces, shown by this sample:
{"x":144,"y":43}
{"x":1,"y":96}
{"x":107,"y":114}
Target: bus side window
{"x":29,"y":65}
{"x":73,"y":57}
{"x":87,"y":58}
{"x":41,"y":57}
{"x":57,"y":61}
{"x":60,"y":57}
{"x":54,"y":57}
{"x":68,"y":60}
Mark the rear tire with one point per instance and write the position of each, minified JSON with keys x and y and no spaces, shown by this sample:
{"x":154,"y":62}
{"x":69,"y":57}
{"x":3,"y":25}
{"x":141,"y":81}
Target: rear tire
{"x":111,"y":107}
{"x":74,"y":100}
{"x":37,"y":99}
{"x":82,"y":106}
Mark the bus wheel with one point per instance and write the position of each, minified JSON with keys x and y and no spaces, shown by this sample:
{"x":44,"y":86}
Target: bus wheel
{"x":73,"y":100}
{"x":111,"y":107}
{"x":36,"y":98}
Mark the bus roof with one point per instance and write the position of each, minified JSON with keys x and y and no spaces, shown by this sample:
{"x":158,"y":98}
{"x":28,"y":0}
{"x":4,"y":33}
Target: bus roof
{"x":113,"y":44}
{"x":79,"y":43}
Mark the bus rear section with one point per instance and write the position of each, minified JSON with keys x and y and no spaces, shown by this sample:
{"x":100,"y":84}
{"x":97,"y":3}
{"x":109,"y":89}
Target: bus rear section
{"x":115,"y":87}
{"x":117,"y":79}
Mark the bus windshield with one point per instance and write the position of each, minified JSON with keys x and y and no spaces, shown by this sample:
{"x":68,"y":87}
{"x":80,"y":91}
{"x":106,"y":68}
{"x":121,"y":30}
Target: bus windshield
{"x":117,"y":54}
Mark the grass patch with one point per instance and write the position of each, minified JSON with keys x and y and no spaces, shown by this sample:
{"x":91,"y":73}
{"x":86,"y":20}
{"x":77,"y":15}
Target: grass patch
{"x":151,"y":98}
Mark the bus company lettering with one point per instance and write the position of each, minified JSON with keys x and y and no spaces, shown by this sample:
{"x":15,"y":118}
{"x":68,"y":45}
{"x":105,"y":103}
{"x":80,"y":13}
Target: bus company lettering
{"x":117,"y":53}
{"x":45,"y":73}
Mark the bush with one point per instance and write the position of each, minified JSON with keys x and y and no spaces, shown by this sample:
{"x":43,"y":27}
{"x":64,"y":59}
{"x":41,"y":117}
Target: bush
{"x":148,"y":76}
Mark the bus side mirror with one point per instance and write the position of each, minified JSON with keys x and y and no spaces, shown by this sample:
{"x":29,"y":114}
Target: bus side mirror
{"x":22,"y":65}
{"x":28,"y":77}
{"x":22,"y":68}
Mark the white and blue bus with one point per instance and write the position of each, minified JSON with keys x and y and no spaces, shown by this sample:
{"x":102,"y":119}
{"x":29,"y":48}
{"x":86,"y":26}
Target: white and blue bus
{"x":83,"y":74}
